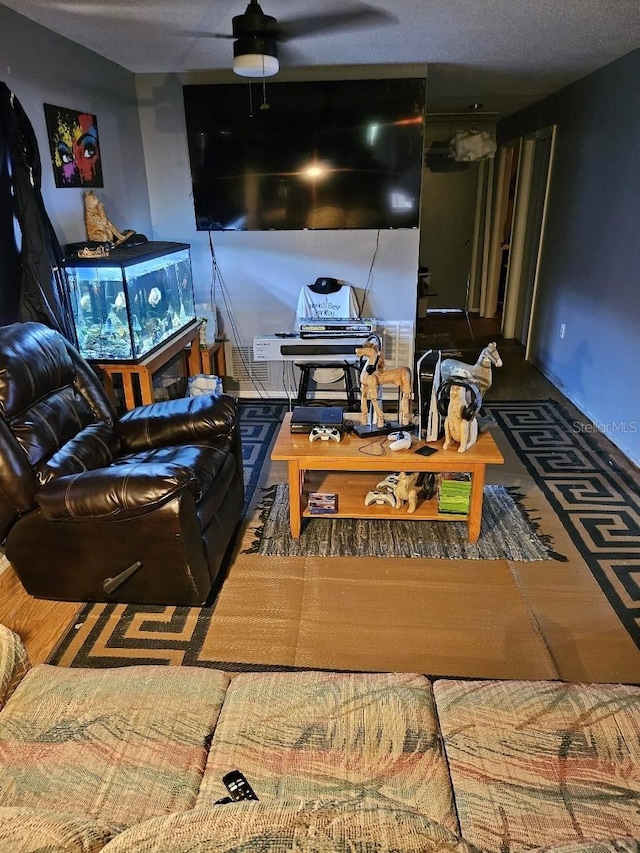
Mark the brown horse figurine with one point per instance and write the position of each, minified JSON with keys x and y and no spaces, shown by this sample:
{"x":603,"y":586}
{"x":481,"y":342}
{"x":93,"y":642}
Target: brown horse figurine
{"x":373,"y":375}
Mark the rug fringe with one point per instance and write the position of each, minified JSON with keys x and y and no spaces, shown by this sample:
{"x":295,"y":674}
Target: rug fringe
{"x":534,"y":524}
{"x":263,"y":509}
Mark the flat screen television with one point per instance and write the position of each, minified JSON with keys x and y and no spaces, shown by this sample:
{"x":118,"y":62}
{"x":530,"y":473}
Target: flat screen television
{"x":322,"y":155}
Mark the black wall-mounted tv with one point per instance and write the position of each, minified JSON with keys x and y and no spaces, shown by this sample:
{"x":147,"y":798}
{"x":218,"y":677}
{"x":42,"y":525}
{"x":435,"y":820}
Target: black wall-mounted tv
{"x":322,"y":155}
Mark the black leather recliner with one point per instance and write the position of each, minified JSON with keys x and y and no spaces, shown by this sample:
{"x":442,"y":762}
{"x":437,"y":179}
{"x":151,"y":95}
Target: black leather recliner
{"x":137,"y":509}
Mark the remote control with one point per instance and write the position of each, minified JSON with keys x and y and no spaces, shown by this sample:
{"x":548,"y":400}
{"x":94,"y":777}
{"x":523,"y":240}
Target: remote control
{"x":239,"y":789}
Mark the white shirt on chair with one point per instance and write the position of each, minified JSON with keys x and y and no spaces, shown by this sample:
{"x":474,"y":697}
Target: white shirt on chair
{"x":337,"y":304}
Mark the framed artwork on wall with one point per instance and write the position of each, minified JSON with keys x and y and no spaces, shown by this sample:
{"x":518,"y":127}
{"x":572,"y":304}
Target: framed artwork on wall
{"x":75,"y":147}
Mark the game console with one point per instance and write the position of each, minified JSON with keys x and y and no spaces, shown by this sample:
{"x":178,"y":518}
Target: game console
{"x":305,"y":418}
{"x":376,"y":497}
{"x":325,"y":433}
{"x":428,"y":373}
{"x":400,"y":440}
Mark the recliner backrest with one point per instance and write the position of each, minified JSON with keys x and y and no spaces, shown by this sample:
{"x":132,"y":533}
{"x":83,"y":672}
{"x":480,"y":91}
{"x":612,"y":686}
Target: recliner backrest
{"x":55,"y":418}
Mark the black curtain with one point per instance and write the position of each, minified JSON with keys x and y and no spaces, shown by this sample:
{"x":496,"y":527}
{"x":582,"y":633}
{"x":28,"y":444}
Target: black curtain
{"x":43,"y":291}
{"x":9,"y":255}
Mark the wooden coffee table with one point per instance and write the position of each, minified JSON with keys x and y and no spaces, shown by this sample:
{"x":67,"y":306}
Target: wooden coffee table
{"x":349,"y":469}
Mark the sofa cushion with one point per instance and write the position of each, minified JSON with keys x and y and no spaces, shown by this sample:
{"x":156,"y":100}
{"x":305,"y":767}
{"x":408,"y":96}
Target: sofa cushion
{"x":613,"y":845}
{"x":283,"y":826}
{"x":24,"y":830}
{"x":542,"y":763}
{"x":14,"y":663}
{"x":119,"y":745}
{"x":331,"y":735}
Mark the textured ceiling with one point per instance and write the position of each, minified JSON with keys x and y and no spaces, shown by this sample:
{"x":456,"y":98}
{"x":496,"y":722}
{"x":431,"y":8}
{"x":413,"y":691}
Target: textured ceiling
{"x":505,"y":54}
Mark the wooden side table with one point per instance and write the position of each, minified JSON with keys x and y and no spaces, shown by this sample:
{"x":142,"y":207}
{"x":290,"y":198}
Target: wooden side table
{"x":145,"y":369}
{"x":213,"y":359}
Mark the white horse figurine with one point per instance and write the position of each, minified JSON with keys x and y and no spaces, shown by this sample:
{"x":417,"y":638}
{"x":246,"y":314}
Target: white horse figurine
{"x":373,"y":375}
{"x":479,"y":373}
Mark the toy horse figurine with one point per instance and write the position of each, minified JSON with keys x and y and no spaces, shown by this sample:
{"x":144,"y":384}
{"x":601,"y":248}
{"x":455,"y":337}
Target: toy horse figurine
{"x":479,"y":373}
{"x":373,"y":375}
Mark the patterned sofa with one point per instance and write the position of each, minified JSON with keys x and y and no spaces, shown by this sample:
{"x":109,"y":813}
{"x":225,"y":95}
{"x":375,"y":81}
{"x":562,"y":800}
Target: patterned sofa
{"x":131,"y":759}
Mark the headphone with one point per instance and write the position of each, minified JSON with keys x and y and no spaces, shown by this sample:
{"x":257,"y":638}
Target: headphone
{"x":444,"y":394}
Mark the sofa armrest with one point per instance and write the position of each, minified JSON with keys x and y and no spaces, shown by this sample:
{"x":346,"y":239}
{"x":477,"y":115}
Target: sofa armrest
{"x":27,"y":829}
{"x":14,"y":663}
{"x":120,"y":491}
{"x":371,"y":824}
{"x":187,"y":420}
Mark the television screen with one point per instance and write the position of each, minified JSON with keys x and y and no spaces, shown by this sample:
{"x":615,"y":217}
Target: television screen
{"x":319,"y":155}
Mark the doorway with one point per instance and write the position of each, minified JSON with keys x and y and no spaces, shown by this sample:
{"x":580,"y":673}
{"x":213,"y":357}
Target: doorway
{"x":447,"y":219}
{"x":482,"y":230}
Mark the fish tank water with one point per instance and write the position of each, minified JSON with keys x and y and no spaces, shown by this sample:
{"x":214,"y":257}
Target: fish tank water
{"x":127,"y":304}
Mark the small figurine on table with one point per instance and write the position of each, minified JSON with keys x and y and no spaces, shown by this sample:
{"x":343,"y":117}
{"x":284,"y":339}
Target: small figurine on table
{"x":407,"y":490}
{"x":460,"y":424}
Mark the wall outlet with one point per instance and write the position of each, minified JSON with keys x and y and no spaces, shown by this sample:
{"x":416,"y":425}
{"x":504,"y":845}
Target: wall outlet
{"x":562,"y":328}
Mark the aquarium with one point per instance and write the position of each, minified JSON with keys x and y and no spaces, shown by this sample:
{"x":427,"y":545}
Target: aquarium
{"x":128,"y":304}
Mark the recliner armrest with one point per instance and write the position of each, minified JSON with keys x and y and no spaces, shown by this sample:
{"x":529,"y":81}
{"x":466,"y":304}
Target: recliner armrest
{"x":183,"y":421}
{"x":117,"y":492}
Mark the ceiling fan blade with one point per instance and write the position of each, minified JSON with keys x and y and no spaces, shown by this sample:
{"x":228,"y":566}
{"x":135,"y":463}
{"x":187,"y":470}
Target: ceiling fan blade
{"x":365,"y":16}
{"x":216,"y":35}
{"x":291,"y":56}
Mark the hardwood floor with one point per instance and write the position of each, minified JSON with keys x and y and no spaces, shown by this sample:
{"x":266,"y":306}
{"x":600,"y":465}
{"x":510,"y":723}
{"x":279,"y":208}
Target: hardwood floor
{"x":584,"y":638}
{"x":39,"y":623}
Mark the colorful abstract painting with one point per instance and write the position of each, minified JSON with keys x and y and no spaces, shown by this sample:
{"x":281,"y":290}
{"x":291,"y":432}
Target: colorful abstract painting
{"x":75,"y":148}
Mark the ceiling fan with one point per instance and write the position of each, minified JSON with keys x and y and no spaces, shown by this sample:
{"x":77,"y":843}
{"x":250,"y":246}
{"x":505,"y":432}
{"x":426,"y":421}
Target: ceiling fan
{"x":257,"y":36}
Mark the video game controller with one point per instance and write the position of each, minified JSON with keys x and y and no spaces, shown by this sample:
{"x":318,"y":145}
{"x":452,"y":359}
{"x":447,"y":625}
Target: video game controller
{"x":400,"y":440}
{"x":324,"y":433}
{"x":389,"y":483}
{"x":376,"y":497}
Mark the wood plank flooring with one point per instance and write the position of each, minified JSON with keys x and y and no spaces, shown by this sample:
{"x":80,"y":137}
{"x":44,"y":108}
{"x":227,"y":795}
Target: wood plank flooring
{"x":39,"y":623}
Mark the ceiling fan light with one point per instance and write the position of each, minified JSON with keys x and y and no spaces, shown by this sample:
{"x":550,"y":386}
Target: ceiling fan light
{"x":256,"y":65}
{"x":255,"y":56}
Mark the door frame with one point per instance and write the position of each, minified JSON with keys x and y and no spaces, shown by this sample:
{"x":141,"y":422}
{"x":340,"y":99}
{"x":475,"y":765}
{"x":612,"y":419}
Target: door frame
{"x":490,"y":291}
{"x":520,"y":230}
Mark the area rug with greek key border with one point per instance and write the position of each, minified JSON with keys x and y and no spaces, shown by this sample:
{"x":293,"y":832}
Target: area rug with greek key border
{"x":593,"y":503}
{"x":596,"y":501}
{"x":259,"y":422}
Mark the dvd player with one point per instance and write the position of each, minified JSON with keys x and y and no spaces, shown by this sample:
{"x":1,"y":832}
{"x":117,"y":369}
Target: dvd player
{"x":336,"y":327}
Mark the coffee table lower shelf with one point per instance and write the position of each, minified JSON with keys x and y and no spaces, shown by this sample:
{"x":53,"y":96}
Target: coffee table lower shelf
{"x":352,"y":488}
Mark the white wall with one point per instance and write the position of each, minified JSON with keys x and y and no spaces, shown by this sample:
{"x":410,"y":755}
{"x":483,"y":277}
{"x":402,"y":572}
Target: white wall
{"x":263,"y":270}
{"x":41,"y":67}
